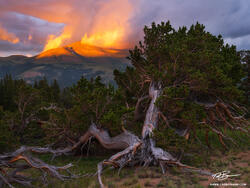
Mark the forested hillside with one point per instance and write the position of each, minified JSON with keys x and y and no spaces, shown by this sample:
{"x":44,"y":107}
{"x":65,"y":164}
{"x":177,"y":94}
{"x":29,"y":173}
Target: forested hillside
{"x":66,"y":64}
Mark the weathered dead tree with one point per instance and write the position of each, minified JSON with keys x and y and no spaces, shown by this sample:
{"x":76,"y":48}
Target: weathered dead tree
{"x":135,"y":151}
{"x":143,"y":151}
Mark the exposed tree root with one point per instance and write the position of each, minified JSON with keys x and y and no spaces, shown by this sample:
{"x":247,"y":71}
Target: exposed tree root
{"x":144,"y":153}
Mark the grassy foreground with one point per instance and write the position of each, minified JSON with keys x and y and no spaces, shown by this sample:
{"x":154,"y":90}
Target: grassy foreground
{"x":218,"y":159}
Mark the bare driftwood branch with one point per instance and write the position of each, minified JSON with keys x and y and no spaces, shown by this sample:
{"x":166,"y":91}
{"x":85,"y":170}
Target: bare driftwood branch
{"x":9,"y":168}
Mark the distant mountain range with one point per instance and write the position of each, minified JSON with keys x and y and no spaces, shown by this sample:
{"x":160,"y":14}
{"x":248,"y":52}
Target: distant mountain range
{"x":66,"y":64}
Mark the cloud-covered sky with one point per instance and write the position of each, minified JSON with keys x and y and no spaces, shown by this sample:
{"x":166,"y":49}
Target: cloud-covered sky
{"x":27,"y":25}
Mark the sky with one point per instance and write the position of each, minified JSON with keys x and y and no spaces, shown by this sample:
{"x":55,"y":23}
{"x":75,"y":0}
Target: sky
{"x":29,"y":27}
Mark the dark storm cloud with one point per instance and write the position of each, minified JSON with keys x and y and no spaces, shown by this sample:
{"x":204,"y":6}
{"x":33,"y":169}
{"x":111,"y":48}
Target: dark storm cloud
{"x":39,"y":18}
{"x":230,"y":18}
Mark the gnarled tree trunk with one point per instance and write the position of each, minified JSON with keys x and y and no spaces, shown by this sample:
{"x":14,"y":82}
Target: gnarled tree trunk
{"x":143,"y":151}
{"x":152,"y":114}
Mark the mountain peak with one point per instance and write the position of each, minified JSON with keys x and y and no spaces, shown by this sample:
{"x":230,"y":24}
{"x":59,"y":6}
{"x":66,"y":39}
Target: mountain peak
{"x":79,"y":49}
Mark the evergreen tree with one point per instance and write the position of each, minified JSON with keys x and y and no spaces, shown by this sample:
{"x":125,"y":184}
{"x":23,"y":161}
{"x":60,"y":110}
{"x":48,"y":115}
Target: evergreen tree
{"x":55,"y":89}
{"x":196,"y":73}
